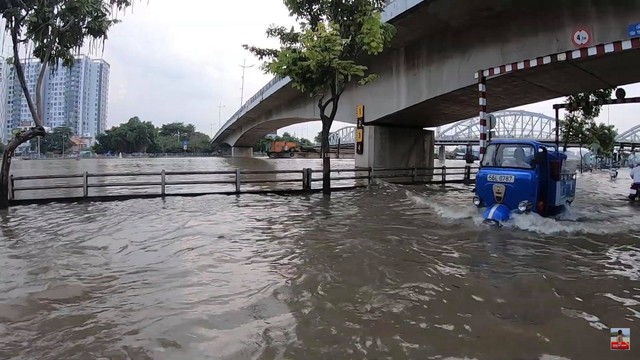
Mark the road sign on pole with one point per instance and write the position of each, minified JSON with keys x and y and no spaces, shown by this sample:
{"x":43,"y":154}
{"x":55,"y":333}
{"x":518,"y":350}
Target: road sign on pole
{"x":359,"y":129}
{"x":633,"y":30}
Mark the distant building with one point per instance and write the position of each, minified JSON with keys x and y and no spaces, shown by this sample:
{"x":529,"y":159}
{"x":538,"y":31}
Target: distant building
{"x":76,"y":97}
{"x":80,"y":143}
{"x":4,"y":72}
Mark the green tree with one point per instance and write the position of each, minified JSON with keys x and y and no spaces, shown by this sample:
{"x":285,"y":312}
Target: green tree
{"x":177,"y":128}
{"x":318,"y":138}
{"x":142,"y":136}
{"x":579,"y":121}
{"x":199,"y":142}
{"x":132,"y":136}
{"x":52,"y":31}
{"x":326,"y":54}
{"x":605,"y":137}
{"x":54,"y":141}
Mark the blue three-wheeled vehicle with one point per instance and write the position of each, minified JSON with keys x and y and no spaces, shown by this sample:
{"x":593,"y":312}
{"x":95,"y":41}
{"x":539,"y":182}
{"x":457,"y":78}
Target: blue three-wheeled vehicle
{"x":523,"y":176}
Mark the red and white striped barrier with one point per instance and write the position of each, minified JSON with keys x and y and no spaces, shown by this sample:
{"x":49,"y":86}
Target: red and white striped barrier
{"x":582,"y":53}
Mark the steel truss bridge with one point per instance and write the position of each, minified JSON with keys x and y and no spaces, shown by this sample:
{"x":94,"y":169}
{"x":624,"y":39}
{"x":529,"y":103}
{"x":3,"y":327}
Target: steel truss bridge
{"x":629,"y":138}
{"x":519,"y":124}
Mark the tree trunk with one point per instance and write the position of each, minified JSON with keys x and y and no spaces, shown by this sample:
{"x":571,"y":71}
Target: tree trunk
{"x":17,"y":140}
{"x":325,"y":153}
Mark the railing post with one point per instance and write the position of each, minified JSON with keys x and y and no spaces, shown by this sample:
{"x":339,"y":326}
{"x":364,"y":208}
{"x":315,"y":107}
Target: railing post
{"x":370,"y":174}
{"x":413,"y":175}
{"x":467,"y":175}
{"x":163,"y":182}
{"x":12,"y":192}
{"x":444,"y":174}
{"x":85,"y":184}
{"x":304,"y":178}
{"x":238,"y":180}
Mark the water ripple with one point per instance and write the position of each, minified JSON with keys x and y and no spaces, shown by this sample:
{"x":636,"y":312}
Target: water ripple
{"x":386,"y":272}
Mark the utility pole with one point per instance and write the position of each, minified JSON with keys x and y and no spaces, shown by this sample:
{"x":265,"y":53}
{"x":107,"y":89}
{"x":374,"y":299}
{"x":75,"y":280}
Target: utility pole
{"x":219,"y":116}
{"x":244,"y":67}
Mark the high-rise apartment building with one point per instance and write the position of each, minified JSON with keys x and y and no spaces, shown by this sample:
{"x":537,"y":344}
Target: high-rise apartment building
{"x":4,"y":72}
{"x":76,"y":97}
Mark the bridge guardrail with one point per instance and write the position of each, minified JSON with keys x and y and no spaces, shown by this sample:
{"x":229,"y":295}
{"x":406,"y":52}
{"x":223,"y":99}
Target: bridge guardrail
{"x":100,"y":186}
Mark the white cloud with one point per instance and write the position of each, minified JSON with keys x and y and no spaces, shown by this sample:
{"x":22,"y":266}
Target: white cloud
{"x":179,"y":62}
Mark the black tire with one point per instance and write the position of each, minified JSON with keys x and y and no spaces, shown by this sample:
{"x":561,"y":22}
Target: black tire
{"x":291,"y":154}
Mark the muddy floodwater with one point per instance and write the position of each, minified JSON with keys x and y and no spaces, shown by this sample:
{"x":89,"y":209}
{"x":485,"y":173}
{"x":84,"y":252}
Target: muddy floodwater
{"x":386,"y":272}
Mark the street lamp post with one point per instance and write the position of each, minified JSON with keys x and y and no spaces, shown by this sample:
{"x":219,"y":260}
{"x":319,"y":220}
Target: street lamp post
{"x":243,"y":66}
{"x":63,"y":135}
{"x":219,"y":116}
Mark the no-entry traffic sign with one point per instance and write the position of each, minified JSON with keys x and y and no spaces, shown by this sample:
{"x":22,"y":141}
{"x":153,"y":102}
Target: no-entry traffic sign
{"x":581,"y":37}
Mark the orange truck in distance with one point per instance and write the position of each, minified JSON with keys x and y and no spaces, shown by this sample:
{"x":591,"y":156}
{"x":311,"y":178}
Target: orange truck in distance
{"x":280,"y":149}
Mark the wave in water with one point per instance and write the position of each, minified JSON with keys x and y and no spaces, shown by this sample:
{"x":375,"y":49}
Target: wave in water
{"x":574,"y":221}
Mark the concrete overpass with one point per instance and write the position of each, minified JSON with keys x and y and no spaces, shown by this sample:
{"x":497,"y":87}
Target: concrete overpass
{"x":519,"y":52}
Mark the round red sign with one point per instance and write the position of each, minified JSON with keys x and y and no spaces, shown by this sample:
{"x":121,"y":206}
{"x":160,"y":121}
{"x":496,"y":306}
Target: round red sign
{"x":581,"y":37}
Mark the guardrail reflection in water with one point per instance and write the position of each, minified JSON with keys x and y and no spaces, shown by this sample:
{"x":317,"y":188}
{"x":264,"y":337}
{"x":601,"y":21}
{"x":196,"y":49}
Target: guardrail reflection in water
{"x":120,"y":186}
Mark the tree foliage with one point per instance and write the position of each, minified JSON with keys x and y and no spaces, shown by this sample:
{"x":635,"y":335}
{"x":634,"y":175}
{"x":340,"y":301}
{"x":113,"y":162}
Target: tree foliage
{"x":579,"y":123}
{"x":55,"y":30}
{"x":136,"y":136}
{"x":54,"y":141}
{"x":325,"y":55}
{"x":177,"y":129}
{"x":605,"y":137}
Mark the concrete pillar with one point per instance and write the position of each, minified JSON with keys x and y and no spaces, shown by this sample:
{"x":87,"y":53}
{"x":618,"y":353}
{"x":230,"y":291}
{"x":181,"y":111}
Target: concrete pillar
{"x":391,"y":147}
{"x":242,"y":151}
{"x":441,"y":153}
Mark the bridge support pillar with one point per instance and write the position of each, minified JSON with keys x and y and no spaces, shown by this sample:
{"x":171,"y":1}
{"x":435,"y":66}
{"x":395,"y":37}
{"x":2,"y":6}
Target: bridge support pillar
{"x":391,"y":147}
{"x":242,"y":151}
{"x":441,"y":153}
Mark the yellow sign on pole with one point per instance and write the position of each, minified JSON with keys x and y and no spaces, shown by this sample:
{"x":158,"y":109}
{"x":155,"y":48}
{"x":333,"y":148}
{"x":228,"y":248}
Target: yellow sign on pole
{"x":359,"y":135}
{"x":360,"y":111}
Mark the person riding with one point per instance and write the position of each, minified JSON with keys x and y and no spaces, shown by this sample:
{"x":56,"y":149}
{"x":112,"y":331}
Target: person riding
{"x":635,"y":173}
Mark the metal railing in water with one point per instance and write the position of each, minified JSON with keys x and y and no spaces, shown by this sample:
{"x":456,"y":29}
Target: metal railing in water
{"x":95,"y":186}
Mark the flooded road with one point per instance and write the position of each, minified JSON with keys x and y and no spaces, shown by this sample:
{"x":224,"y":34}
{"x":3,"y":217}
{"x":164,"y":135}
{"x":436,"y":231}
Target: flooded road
{"x":388,"y":272}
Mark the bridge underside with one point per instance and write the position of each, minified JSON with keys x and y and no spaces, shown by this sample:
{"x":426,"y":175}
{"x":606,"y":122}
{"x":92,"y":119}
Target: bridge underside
{"x":522,"y":87}
{"x":250,"y":135}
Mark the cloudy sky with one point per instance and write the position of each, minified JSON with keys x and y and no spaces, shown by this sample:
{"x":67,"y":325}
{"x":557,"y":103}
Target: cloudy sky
{"x":174,"y":62}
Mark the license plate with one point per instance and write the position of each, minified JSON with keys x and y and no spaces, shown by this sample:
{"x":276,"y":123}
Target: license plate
{"x":632,"y":191}
{"x":501,"y":178}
